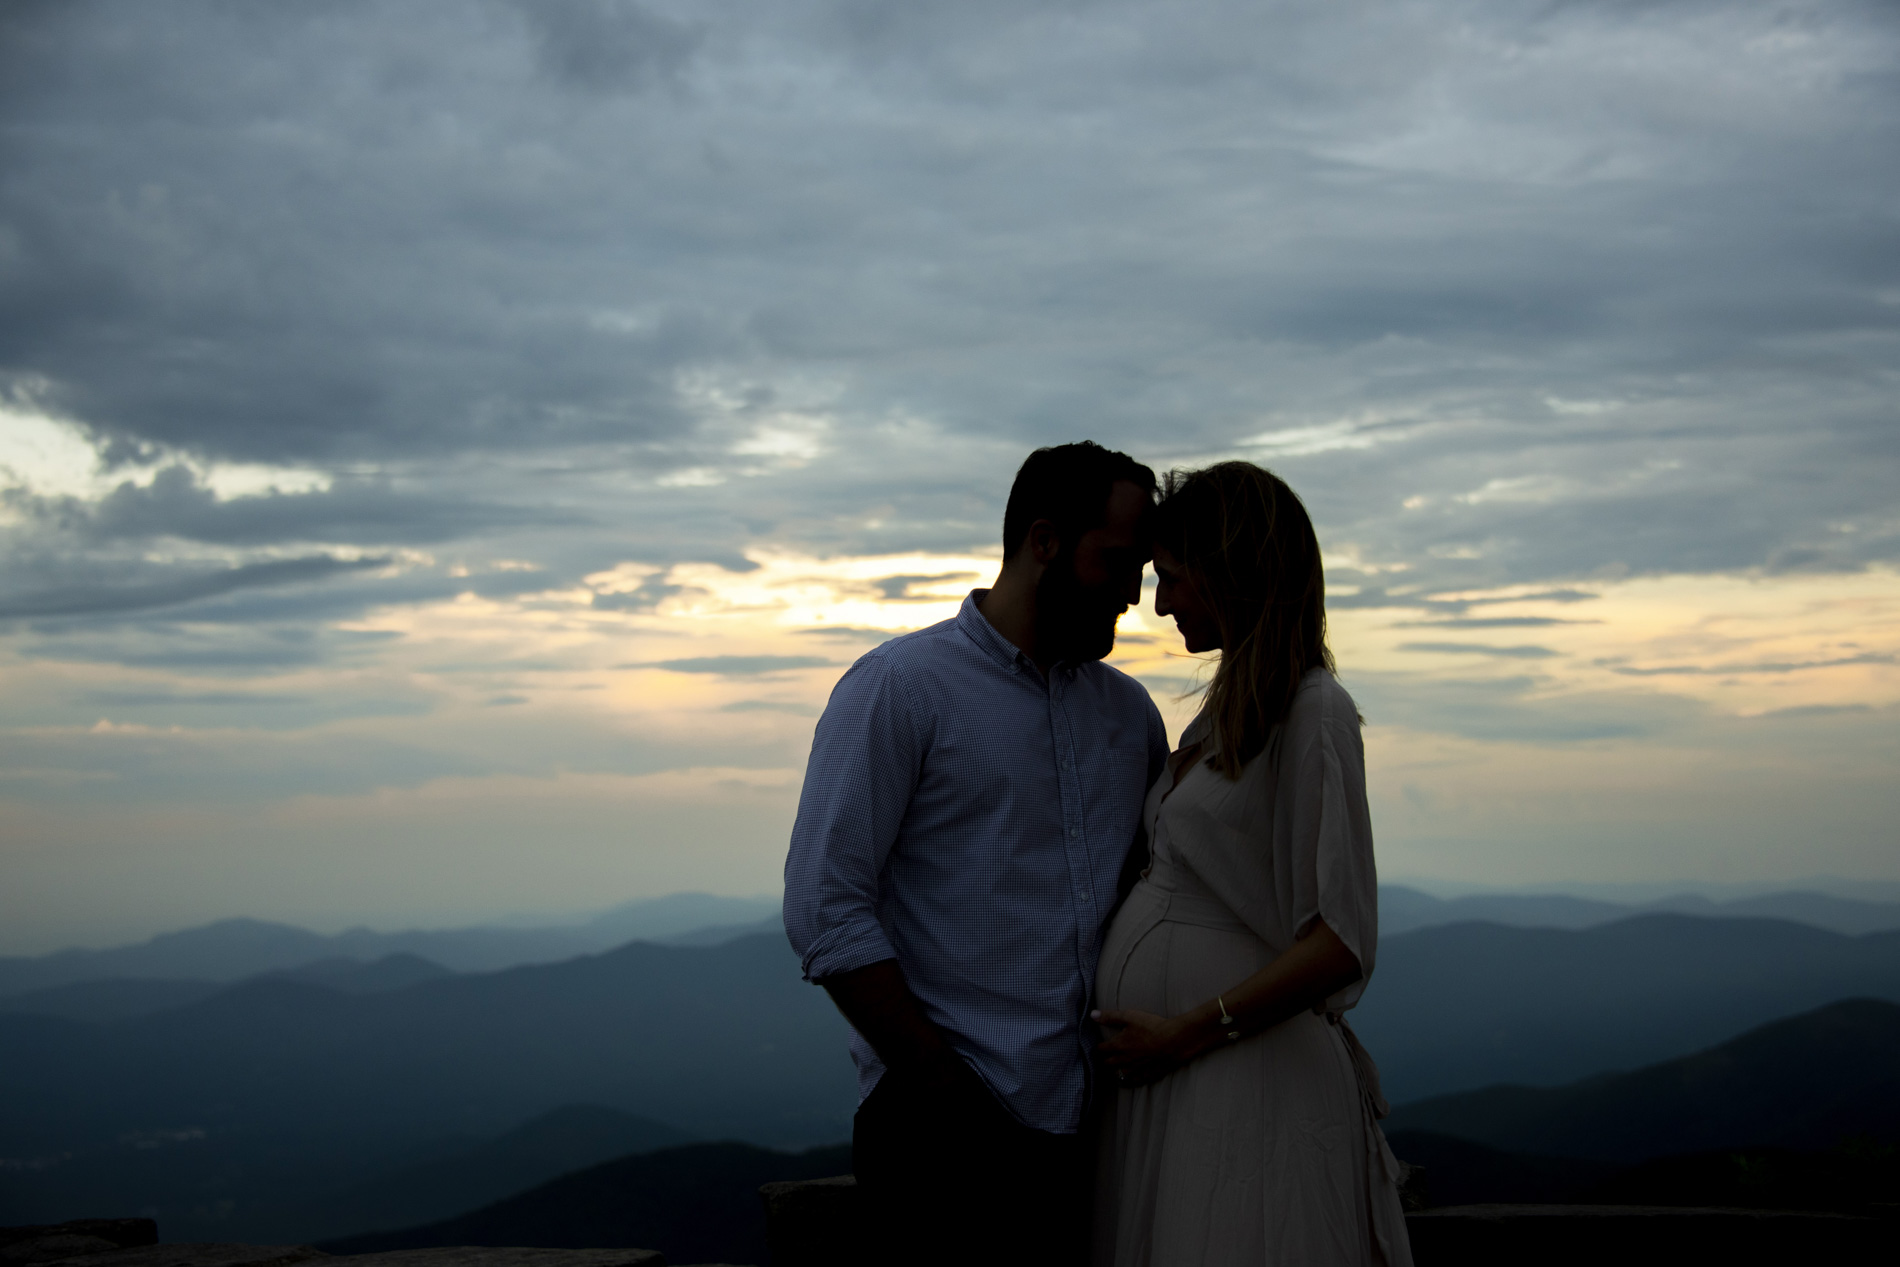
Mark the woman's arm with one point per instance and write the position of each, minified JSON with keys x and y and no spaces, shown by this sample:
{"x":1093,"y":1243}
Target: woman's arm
{"x":1142,"y":1047}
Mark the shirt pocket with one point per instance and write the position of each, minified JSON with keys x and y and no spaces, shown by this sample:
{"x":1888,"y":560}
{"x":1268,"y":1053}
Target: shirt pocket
{"x":1121,"y":789}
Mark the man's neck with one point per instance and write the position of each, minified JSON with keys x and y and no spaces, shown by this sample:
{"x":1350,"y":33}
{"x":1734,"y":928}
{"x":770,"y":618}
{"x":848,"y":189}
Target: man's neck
{"x":1010,"y":607}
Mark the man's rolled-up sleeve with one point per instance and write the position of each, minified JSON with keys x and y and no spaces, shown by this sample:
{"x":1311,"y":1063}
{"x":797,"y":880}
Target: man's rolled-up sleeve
{"x":865,"y":757}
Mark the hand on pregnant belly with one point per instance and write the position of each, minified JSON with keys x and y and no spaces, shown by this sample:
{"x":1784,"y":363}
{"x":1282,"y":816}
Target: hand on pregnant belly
{"x":1141,"y":1047}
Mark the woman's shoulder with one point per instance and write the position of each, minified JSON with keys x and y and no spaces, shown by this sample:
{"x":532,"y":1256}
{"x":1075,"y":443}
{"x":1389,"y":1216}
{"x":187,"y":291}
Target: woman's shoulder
{"x":1321,"y":696}
{"x":1322,"y":709}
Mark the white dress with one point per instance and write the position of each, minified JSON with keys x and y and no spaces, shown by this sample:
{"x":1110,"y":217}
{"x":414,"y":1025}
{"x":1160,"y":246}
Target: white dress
{"x":1266,"y":1151}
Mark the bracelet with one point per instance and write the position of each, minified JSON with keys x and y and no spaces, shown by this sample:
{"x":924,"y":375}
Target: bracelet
{"x":1233,"y":1035}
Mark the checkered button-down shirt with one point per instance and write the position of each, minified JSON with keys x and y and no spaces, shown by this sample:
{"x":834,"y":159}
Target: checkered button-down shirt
{"x":968,"y":818}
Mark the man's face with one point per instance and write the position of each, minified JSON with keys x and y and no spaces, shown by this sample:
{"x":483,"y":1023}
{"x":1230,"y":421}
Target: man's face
{"x":1085,"y":591}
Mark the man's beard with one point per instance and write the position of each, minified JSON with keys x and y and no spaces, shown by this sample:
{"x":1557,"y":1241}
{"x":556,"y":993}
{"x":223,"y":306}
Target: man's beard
{"x":1074,"y":621}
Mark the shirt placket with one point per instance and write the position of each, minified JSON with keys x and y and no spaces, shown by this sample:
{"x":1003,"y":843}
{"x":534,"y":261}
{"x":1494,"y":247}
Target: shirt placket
{"x":1075,"y":835}
{"x":1075,"y":841}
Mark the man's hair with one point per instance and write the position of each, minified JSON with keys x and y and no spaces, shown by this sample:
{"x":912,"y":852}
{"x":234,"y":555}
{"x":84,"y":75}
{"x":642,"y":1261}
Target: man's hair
{"x":1068,"y":484}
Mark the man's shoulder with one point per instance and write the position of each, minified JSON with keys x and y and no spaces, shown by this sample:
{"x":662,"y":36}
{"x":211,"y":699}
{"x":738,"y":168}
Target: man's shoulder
{"x":910,"y":651}
{"x":1119,"y":687}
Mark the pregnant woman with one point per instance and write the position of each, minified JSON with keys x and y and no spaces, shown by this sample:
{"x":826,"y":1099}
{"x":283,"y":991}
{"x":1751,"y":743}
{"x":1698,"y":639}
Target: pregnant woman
{"x":1242,"y":1127}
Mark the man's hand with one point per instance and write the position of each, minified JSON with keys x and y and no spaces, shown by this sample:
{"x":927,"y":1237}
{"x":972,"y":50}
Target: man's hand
{"x":881,"y":1007}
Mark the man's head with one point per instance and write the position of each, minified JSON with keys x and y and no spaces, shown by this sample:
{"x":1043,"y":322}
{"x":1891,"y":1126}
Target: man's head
{"x":1077,"y":524}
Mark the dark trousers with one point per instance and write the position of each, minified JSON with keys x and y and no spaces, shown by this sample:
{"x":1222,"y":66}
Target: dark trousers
{"x":955,"y":1179}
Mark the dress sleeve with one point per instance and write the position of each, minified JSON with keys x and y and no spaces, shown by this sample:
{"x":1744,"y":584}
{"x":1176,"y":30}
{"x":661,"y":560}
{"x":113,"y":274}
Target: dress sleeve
{"x":865,"y":757}
{"x":1325,"y":830}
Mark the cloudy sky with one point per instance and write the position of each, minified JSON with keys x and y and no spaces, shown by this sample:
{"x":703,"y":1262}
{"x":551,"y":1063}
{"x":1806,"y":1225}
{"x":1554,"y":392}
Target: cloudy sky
{"x":450,"y":449}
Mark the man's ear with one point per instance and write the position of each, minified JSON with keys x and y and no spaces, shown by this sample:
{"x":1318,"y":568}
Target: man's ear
{"x":1044,"y":542}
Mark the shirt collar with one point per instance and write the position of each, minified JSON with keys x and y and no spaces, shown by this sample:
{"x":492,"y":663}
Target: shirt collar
{"x":976,"y":626}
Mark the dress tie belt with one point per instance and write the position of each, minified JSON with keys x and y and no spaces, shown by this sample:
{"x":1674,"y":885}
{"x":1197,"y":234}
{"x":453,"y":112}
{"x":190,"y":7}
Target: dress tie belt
{"x":1361,"y":1063}
{"x":1374,"y":1099}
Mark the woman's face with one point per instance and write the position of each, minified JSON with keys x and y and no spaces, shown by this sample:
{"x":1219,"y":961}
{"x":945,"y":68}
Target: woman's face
{"x":1179,"y":597}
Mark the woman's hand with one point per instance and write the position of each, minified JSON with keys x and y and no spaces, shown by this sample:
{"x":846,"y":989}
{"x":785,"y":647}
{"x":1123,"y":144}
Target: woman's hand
{"x":1142,"y":1047}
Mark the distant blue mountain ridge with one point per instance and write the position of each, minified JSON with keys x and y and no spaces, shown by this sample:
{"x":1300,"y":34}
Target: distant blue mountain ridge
{"x":236,"y":949}
{"x":245,"y":1114}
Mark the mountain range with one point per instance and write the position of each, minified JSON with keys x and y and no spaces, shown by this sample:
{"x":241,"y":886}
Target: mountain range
{"x":1466,"y":1005}
{"x":1803,"y":1112}
{"x":236,"y":949}
{"x":1403,"y":909}
{"x":1802,"y":1083}
{"x":697,"y":1203}
{"x":254,"y":1112}
{"x":1787,"y":1093}
{"x":570,"y":1138}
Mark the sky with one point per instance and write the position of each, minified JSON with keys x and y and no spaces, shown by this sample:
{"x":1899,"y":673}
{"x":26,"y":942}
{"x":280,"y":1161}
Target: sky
{"x":449,"y":450}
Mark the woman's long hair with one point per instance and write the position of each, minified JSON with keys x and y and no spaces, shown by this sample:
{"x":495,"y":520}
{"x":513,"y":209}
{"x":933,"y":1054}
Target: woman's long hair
{"x":1246,"y":543}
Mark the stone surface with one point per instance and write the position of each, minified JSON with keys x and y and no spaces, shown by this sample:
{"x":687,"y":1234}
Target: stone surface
{"x":813,"y":1222}
{"x":47,"y":1249}
{"x":44,"y":1243}
{"x":503,"y":1256}
{"x":1639,"y":1236}
{"x":198,"y":1254}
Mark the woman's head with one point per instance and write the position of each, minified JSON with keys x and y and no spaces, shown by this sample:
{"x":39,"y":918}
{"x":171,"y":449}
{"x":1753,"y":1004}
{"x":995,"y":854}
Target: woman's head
{"x":1240,"y":572}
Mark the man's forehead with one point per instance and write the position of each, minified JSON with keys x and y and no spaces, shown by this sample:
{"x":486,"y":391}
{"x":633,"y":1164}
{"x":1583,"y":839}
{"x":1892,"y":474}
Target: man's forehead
{"x":1128,"y":508}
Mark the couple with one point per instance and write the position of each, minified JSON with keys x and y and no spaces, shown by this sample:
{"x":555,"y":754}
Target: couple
{"x":1096,"y":987}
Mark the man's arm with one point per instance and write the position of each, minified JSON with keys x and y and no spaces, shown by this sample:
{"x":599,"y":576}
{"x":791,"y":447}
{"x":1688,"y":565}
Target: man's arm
{"x":881,"y":1007}
{"x":865,"y":760}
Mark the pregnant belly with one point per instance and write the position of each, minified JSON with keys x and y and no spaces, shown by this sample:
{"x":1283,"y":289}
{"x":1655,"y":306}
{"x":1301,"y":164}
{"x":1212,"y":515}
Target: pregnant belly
{"x":1153,"y":964}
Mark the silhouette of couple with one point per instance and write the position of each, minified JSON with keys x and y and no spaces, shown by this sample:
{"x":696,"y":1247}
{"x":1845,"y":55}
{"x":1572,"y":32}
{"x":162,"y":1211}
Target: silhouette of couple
{"x":1096,"y":988}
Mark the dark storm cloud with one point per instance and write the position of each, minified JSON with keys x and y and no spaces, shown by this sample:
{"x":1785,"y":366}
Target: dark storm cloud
{"x":266,"y":710}
{"x":1489,"y":622}
{"x":144,"y":699}
{"x":848,"y":633}
{"x":240,"y":651}
{"x":1509,"y":710}
{"x":1523,"y":652}
{"x":608,"y":45}
{"x":1759,"y":666}
{"x":768,"y":706}
{"x":644,"y":597}
{"x":175,"y":503}
{"x":737,"y":665}
{"x":82,"y":600}
{"x":1514,"y":295}
{"x":897,"y":589}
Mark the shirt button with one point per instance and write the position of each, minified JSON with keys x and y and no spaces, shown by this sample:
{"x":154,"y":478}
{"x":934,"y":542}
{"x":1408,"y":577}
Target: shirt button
{"x":1075,"y":831}
{"x":1081,"y":895}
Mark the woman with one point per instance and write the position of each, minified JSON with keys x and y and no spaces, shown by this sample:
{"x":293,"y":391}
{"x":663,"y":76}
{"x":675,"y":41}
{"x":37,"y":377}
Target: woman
{"x":1242,"y":1127}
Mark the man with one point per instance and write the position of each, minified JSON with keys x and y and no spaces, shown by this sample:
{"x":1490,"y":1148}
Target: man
{"x":974,"y":792}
